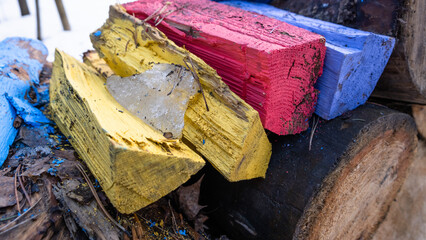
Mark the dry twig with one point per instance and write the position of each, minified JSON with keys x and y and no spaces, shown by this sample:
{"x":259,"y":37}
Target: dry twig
{"x":22,"y":185}
{"x":98,"y":201}
{"x":19,"y":217}
{"x":179,"y":80}
{"x":314,"y":126}
{"x":195,"y":75}
{"x":16,"y":190}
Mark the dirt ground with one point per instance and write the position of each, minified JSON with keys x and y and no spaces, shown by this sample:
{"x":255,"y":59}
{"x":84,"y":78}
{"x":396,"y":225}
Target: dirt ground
{"x":407,"y":215}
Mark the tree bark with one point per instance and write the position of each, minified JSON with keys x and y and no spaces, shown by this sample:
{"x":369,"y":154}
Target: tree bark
{"x":340,"y":189}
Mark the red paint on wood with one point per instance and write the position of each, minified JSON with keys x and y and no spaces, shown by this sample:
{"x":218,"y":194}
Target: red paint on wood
{"x":270,"y":64}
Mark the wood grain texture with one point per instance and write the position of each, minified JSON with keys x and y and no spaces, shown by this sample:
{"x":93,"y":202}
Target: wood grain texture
{"x":354,"y":59}
{"x":229,"y":135}
{"x":21,"y":61}
{"x":134,"y":164}
{"x":341,"y":189}
{"x":270,"y":64}
{"x":407,"y":214}
{"x":404,"y":77}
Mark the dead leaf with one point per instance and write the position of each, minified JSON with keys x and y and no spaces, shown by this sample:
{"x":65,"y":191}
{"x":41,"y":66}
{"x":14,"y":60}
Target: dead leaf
{"x":188,"y":199}
{"x":7,"y":193}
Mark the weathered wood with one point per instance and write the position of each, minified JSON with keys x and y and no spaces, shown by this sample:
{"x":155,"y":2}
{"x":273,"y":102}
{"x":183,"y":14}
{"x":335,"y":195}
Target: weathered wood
{"x":270,"y":64}
{"x":341,"y":189}
{"x":404,"y":77}
{"x":229,"y":135}
{"x":134,"y":164}
{"x":23,"y":6}
{"x":21,"y":61}
{"x":63,"y":15}
{"x":419,"y":114}
{"x":406,"y":216}
{"x":353,"y":63}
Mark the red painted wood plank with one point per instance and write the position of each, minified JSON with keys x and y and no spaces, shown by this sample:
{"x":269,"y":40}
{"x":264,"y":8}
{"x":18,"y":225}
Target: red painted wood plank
{"x":270,"y":64}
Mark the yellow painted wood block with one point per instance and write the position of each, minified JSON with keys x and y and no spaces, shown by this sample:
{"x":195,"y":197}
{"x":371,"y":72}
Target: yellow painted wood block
{"x":134,"y":163}
{"x":230,"y":136}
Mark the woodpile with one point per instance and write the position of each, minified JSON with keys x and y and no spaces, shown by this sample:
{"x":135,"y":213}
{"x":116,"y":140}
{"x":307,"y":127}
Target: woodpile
{"x":404,"y":78}
{"x":354,"y":59}
{"x":272,"y":65}
{"x":160,"y":132}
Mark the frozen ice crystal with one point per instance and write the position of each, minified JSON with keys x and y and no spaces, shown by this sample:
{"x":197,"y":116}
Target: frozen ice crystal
{"x":158,"y":96}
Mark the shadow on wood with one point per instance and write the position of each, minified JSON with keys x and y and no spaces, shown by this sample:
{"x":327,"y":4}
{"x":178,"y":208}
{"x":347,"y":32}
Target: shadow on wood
{"x":341,"y":189}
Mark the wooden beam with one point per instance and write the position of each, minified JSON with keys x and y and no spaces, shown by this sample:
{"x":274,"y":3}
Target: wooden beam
{"x":229,"y":135}
{"x":270,"y":64}
{"x":21,"y":61}
{"x":404,"y":77}
{"x":134,"y":164}
{"x":354,"y":59}
{"x":340,"y":189}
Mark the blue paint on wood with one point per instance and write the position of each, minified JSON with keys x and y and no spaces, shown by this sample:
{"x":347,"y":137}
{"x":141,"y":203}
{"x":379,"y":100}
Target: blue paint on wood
{"x":21,"y":61}
{"x":353,"y":63}
{"x":31,"y":115}
{"x":7,"y":131}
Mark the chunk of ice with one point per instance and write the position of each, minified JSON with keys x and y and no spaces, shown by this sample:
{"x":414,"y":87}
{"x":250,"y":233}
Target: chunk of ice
{"x":158,"y":96}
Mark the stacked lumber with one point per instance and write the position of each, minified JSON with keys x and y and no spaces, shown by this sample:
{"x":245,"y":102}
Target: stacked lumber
{"x":272,"y":65}
{"x":228,"y":133}
{"x":341,"y":189}
{"x":404,"y":78}
{"x":354,"y":59}
{"x":21,"y":61}
{"x":122,"y":152}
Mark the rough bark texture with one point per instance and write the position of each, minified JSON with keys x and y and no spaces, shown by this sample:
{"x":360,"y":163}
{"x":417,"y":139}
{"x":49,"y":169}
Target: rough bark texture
{"x":404,"y":77}
{"x":342,"y":188}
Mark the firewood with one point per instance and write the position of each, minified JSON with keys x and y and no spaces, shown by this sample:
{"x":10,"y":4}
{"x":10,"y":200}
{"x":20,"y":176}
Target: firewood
{"x":354,"y":59}
{"x":228,"y":134}
{"x":341,"y":189}
{"x":134,"y":164}
{"x":272,"y":65}
{"x":404,"y":77}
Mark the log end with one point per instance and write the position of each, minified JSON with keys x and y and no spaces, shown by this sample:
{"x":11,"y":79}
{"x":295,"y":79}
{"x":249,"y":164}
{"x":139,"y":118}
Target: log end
{"x":356,"y":196}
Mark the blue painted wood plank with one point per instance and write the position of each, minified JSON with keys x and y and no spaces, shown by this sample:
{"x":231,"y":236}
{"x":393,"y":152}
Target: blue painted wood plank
{"x":31,"y":115}
{"x":353,"y":63}
{"x":21,"y":61}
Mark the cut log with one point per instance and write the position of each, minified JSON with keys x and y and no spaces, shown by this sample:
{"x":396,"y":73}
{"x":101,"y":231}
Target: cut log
{"x":134,"y":164}
{"x":21,"y":61}
{"x":353,"y":64}
{"x":229,"y":133}
{"x":404,"y":78}
{"x":272,"y":65}
{"x":340,"y":189}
